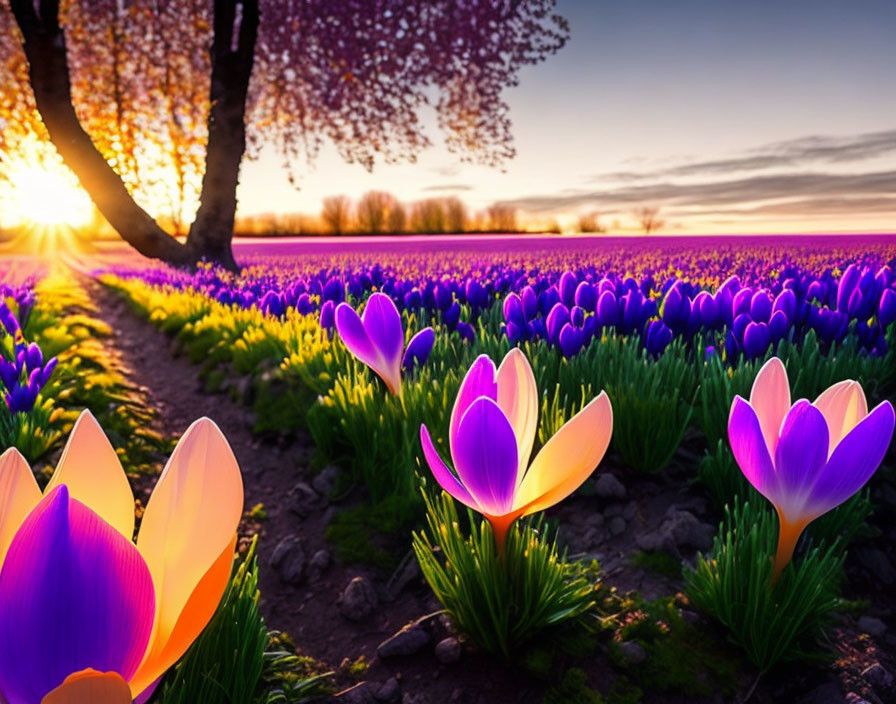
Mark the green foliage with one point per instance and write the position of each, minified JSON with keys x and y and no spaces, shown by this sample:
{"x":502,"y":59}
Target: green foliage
{"x":660,"y":562}
{"x":225,"y":664}
{"x":573,"y":689}
{"x":719,"y":473}
{"x":772,"y":622}
{"x":374,"y":534}
{"x":500,"y":601}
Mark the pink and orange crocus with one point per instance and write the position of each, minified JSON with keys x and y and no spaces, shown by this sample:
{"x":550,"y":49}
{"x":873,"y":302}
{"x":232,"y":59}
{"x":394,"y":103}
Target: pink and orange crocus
{"x":87,"y":615}
{"x":806,"y":458}
{"x":491,"y":434}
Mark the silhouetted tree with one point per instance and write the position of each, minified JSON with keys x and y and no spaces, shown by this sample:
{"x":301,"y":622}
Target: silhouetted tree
{"x":336,"y":214}
{"x":296,"y":72}
{"x":590,"y":222}
{"x":373,"y":211}
{"x":501,"y":218}
{"x":455,"y":215}
{"x":398,"y":218}
{"x":428,"y":217}
{"x":649,"y":217}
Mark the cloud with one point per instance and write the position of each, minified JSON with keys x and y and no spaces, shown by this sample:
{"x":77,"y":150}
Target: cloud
{"x":876,"y":186}
{"x":452,"y":187}
{"x":786,"y":154}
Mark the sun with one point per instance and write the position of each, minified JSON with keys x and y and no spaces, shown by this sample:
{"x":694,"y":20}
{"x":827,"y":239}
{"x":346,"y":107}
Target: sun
{"x":47,"y":197}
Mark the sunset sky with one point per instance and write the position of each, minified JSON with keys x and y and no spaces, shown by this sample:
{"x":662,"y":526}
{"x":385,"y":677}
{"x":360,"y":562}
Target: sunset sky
{"x":772,"y":115}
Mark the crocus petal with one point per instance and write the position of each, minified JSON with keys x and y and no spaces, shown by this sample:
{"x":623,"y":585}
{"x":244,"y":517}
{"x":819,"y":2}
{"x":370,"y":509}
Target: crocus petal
{"x":444,"y":476}
{"x":354,"y":335}
{"x":843,"y":405}
{"x":479,"y":381}
{"x":200,"y":608}
{"x":19,"y":494}
{"x":190,"y":520}
{"x":801,"y":453}
{"x":518,"y":398}
{"x":485,"y":456}
{"x":91,"y":687}
{"x":770,"y":399}
{"x":854,"y":460}
{"x":383,"y":325}
{"x":91,"y":470}
{"x":750,"y":449}
{"x":74,"y":594}
{"x":568,"y":458}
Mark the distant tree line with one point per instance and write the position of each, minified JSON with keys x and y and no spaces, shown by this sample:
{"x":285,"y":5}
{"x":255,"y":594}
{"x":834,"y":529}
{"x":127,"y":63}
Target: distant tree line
{"x":381,"y":213}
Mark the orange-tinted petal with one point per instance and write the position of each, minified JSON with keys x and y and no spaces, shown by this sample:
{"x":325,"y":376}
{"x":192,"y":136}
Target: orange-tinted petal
{"x":568,"y":458}
{"x":90,"y":468}
{"x":90,"y":687}
{"x":843,"y":405}
{"x":19,"y":494}
{"x":189,"y":522}
{"x":200,"y":608}
{"x":518,"y":398}
{"x":770,"y":398}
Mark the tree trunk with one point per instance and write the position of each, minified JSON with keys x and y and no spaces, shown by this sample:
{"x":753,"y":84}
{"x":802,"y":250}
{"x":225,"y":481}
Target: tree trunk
{"x":44,"y":45}
{"x":233,"y":54}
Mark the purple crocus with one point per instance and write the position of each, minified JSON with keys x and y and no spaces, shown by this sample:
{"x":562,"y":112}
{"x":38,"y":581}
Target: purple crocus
{"x":377,"y":338}
{"x":806,"y":458}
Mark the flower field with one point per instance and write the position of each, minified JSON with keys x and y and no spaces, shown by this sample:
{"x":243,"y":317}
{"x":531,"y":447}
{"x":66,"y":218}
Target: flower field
{"x":511,"y":469}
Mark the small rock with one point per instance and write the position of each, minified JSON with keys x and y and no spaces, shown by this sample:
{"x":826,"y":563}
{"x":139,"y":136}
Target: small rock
{"x":878,"y":677}
{"x":288,"y":559}
{"x":407,"y":572}
{"x":678,"y":529}
{"x":448,"y":650}
{"x":630,"y":510}
{"x":828,"y":693}
{"x":594,"y":519}
{"x":617,"y":525}
{"x":872,"y":626}
{"x":878,"y":564}
{"x":326,"y":479}
{"x":358,"y":600}
{"x":320,"y":560}
{"x":389,"y":692}
{"x":612,"y":510}
{"x":303,"y":500}
{"x":361,"y":693}
{"x":410,"y":640}
{"x":633,"y":653}
{"x":609,"y":487}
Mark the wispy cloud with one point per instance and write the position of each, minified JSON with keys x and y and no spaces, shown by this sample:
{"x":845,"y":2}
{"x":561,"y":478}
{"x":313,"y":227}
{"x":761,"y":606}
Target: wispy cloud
{"x":450,"y":188}
{"x":795,"y":153}
{"x":878,"y":187}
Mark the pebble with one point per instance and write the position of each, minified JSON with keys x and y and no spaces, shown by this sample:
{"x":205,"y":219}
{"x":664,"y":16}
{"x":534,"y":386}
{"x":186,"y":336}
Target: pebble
{"x":448,"y":650}
{"x":361,"y":693}
{"x":633,"y":653}
{"x":288,"y":559}
{"x":878,"y":677}
{"x":389,"y":692}
{"x":410,"y":640}
{"x":320,"y":560}
{"x":608,"y":486}
{"x":872,"y":626}
{"x":325,"y":480}
{"x":358,"y":600}
{"x":303,"y":500}
{"x":678,"y":529}
{"x":617,"y":525}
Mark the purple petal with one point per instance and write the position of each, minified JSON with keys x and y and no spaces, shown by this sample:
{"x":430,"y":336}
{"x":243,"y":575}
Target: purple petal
{"x":354,"y":336}
{"x":750,"y":449}
{"x":481,"y":380}
{"x":74,"y":594}
{"x":444,"y":476}
{"x":383,"y":325}
{"x":801,"y":452}
{"x":418,"y":349}
{"x":854,"y":460}
{"x":485,"y":456}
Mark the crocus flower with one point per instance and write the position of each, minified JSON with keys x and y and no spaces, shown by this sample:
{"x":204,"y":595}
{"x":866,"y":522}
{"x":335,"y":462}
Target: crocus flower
{"x":377,"y":338}
{"x":806,"y":458}
{"x":86,"y":615}
{"x":491,"y":433}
